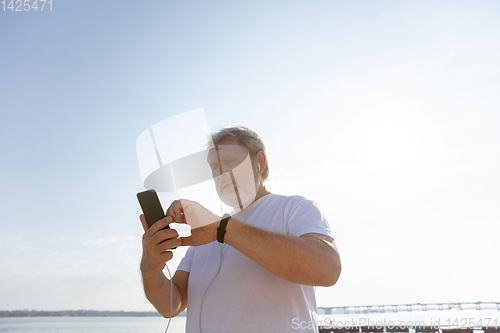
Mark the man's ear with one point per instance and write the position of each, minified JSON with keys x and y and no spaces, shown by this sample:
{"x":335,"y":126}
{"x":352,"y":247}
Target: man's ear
{"x":261,"y":160}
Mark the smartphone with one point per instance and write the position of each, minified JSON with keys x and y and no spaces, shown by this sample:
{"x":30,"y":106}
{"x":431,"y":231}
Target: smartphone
{"x":151,"y":207}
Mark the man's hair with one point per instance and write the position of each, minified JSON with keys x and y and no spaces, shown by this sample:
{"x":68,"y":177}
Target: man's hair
{"x":246,"y":138}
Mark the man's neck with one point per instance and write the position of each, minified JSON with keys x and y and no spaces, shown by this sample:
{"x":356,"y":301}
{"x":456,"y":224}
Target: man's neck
{"x":261,"y":192}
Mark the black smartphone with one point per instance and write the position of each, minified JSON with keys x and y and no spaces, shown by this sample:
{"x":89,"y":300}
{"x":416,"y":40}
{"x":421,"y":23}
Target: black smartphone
{"x":151,"y":207}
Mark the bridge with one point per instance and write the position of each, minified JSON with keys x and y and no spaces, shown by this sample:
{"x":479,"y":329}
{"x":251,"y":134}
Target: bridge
{"x":367,"y":326}
{"x":358,"y":309}
{"x":401,"y":329}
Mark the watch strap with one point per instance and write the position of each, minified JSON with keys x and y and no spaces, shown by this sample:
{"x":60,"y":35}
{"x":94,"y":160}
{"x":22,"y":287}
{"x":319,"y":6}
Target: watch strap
{"x":221,"y":230}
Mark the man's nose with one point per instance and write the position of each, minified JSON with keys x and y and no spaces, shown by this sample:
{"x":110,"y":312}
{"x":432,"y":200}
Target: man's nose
{"x":222,"y":174}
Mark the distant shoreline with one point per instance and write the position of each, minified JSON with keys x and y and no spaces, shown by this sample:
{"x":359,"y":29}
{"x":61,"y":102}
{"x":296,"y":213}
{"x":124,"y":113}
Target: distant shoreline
{"x":80,"y":313}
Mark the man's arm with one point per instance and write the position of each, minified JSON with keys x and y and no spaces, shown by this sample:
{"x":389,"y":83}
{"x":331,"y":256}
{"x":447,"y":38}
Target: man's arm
{"x":311,"y":259}
{"x":157,"y":290}
{"x":156,"y":243}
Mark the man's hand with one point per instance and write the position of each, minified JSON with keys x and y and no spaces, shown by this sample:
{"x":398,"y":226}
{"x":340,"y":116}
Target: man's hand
{"x":203,"y":222}
{"x":156,"y":243}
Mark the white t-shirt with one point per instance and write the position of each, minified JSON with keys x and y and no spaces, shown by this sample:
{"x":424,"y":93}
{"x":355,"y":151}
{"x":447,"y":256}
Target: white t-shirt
{"x":245,"y":297}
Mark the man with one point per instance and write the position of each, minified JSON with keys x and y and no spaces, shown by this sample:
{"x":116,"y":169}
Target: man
{"x":255,"y":270}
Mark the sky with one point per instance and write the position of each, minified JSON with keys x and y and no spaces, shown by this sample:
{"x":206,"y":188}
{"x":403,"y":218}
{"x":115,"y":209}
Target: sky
{"x":385,"y":113}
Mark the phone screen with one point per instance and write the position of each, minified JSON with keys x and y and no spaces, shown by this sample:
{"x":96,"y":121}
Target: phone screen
{"x":151,"y":206}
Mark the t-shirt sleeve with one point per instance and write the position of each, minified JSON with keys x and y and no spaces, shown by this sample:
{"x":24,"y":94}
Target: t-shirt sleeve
{"x":186,"y":262}
{"x":305,"y":217}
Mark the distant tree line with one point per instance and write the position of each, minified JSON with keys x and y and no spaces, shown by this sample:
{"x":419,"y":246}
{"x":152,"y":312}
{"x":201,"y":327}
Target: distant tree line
{"x":77,"y":313}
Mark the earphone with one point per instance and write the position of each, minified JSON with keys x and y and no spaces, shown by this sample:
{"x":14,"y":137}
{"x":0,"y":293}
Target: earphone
{"x":258,"y":167}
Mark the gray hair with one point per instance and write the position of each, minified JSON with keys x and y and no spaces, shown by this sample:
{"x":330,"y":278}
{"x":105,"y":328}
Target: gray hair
{"x":246,"y":138}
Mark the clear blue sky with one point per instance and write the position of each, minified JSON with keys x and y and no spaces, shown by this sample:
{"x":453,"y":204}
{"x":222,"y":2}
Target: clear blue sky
{"x":385,"y":113}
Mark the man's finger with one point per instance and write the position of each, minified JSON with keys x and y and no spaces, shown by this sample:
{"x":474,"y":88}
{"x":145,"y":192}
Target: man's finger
{"x":161,"y":224}
{"x":164,"y":234}
{"x":166,"y":256}
{"x":176,"y":211}
{"x":186,"y":241}
{"x":169,"y":244}
{"x":170,"y":209}
{"x":143,"y":222}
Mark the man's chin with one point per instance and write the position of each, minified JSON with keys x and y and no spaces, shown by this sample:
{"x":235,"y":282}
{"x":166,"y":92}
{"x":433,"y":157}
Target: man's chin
{"x":236,"y":205}
{"x":229,"y":198}
{"x":230,"y":203}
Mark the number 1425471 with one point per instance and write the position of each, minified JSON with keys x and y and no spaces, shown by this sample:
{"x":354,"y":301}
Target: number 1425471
{"x":26,"y":5}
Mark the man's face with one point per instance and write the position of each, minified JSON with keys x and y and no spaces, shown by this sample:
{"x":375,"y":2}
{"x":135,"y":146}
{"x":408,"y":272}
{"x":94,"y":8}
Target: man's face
{"x":233,"y":174}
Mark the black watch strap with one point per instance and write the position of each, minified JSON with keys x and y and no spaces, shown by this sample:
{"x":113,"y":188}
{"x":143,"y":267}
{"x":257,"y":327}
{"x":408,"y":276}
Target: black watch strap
{"x":221,"y":230}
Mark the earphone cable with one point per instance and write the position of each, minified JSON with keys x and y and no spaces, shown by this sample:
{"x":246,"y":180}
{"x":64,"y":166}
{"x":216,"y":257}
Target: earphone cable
{"x":171,"y":298}
{"x":220,"y":263}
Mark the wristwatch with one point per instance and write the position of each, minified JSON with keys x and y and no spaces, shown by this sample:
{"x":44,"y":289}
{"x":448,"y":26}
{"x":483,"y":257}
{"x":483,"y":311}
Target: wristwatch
{"x":221,"y":230}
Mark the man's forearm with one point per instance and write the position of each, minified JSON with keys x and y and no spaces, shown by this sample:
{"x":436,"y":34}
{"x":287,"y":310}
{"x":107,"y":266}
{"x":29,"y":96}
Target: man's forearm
{"x":302,"y":260}
{"x":157,"y":290}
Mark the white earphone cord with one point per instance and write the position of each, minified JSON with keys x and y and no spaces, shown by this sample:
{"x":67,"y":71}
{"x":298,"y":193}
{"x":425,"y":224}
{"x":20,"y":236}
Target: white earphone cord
{"x":220,"y":260}
{"x":171,"y":298}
